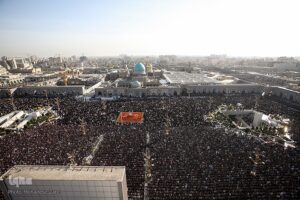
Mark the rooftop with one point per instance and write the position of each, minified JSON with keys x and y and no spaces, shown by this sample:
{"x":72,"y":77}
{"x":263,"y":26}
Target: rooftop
{"x":58,"y":172}
{"x":188,"y":78}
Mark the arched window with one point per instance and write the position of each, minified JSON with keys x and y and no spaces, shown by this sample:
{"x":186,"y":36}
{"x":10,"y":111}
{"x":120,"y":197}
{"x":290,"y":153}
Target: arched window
{"x":194,"y":93}
{"x":281,"y":94}
{"x":184,"y":92}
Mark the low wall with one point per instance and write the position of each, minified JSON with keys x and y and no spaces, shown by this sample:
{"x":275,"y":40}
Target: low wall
{"x":284,"y":93}
{"x":179,"y":90}
{"x":281,"y":92}
{"x":5,"y":93}
{"x":51,"y":91}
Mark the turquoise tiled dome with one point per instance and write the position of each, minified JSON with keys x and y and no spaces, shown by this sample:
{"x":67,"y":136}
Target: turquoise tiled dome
{"x":139,"y":69}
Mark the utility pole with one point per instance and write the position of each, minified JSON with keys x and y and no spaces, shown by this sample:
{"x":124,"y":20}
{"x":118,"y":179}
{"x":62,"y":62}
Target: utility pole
{"x":83,"y":126}
{"x":167,"y":124}
{"x":46,"y":94}
{"x":12,"y":100}
{"x":256,"y":161}
{"x":57,"y":104}
{"x":210,"y":102}
{"x":256,"y":102}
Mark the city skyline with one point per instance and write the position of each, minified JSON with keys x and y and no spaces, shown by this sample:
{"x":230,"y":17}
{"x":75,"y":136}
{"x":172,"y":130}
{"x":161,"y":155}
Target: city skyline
{"x":101,"y":28}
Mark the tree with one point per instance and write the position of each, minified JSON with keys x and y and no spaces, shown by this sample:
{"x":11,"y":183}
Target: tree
{"x":83,"y":58}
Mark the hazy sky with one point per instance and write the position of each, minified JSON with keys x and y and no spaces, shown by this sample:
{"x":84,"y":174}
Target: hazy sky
{"x":149,"y":27}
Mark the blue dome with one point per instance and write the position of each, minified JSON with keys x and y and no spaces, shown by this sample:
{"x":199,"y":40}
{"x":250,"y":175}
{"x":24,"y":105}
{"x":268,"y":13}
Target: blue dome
{"x":135,"y":84}
{"x":139,"y":69}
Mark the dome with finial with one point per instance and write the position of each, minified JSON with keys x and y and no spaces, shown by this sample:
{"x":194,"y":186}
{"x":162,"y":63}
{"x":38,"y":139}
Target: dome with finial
{"x":139,"y":69}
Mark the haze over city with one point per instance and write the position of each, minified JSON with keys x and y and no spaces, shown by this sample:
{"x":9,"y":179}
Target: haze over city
{"x":135,"y":27}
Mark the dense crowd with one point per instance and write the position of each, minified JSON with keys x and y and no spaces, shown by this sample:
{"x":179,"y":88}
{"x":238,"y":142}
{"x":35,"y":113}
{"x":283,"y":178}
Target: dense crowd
{"x":190,"y":158}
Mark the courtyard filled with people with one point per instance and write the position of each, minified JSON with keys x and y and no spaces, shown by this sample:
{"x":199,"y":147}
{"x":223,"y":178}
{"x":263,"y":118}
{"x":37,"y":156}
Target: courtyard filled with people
{"x":190,"y":157}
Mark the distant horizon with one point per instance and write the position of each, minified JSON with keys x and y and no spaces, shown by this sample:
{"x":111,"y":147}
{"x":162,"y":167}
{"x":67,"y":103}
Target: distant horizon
{"x":249,"y":28}
{"x":177,"y":55}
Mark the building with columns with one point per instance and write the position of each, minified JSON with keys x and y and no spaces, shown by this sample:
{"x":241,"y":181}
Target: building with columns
{"x":192,"y":90}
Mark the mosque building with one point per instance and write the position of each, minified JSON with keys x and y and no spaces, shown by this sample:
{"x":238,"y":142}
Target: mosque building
{"x":137,"y":78}
{"x":139,"y":70}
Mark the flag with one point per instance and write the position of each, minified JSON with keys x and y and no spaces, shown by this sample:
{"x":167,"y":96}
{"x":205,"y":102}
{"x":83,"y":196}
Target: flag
{"x":130,"y":117}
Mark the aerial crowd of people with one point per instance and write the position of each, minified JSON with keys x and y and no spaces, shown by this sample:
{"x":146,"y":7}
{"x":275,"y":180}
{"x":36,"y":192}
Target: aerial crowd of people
{"x":190,"y":158}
